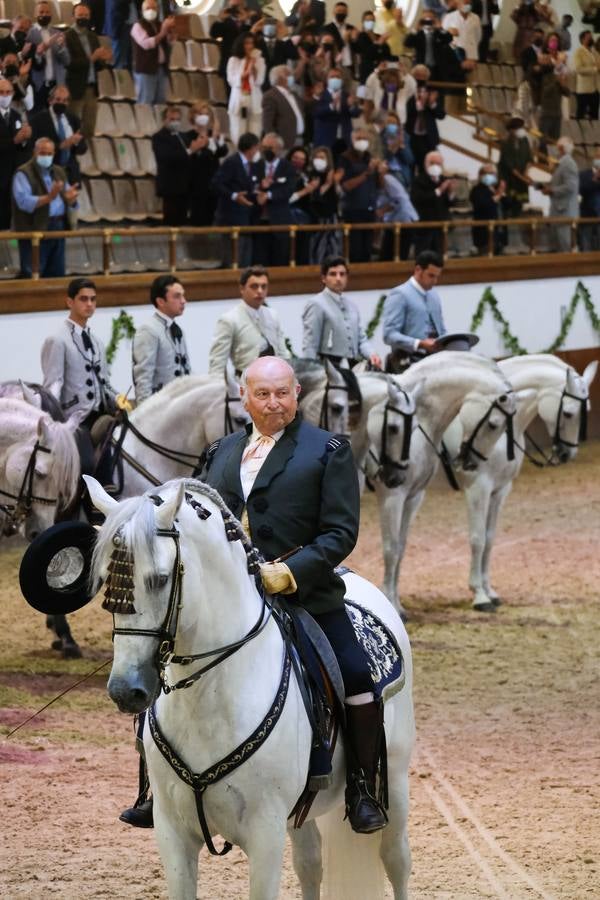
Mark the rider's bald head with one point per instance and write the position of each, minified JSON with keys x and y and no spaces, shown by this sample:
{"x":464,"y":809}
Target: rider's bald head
{"x":270,"y":393}
{"x":268,"y":367}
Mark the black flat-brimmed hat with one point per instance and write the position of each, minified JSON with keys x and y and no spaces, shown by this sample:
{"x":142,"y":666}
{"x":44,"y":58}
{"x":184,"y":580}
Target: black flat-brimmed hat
{"x":55,"y":568}
{"x":456,"y":341}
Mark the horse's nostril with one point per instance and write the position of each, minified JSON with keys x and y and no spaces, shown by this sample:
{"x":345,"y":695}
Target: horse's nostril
{"x":138,"y":694}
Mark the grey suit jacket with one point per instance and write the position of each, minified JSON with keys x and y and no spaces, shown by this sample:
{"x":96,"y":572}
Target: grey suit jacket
{"x":157,"y":358}
{"x":408,"y":316}
{"x":564,"y":200}
{"x":332,"y":328}
{"x":279,"y":116}
{"x":80,"y":383}
{"x":238,"y":337}
{"x":60,"y":57}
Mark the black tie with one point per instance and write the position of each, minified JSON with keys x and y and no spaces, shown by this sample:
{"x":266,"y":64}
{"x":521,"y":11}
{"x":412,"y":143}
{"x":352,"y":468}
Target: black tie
{"x":87,"y":341}
{"x":176,"y":332}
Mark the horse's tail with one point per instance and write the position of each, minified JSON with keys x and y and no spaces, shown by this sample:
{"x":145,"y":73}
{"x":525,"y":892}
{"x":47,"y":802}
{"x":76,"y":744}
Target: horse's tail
{"x":352,"y":867}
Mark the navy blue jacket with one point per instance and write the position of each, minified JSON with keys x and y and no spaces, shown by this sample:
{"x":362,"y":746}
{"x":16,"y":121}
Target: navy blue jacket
{"x":231,"y":178}
{"x":589,"y":188}
{"x":326,"y":120}
{"x":278,"y":207}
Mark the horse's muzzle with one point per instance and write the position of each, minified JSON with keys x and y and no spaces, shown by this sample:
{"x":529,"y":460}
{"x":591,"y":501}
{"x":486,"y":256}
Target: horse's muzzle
{"x":133,"y":695}
{"x":467,"y":459}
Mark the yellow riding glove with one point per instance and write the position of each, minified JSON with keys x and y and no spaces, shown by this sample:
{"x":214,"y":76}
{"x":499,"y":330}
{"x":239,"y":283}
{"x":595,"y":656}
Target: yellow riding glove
{"x":277,"y":578}
{"x":122,"y":402}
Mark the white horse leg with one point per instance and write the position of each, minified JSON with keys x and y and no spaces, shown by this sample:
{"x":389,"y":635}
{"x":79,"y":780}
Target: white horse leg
{"x":411,"y":505}
{"x":478,"y":503}
{"x":496,"y":503}
{"x":395,"y":849}
{"x":179,"y":851}
{"x":264,"y":849}
{"x":391,"y":505}
{"x":306,"y":855}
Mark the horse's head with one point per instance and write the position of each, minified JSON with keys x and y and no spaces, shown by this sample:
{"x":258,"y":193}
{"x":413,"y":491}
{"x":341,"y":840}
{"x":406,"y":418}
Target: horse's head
{"x":323,"y":399}
{"x":236,"y":415}
{"x":336,"y":407}
{"x":389,"y":429}
{"x":484,"y":417}
{"x":563,"y":409}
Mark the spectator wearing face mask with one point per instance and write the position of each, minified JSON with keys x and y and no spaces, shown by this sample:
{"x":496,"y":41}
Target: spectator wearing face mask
{"x":232,"y":21}
{"x":390,"y":91}
{"x":245,"y":76}
{"x":300,"y":201}
{"x":356,"y":176}
{"x":235,"y":185}
{"x":431,"y":195}
{"x":423,"y":111}
{"x":341,"y":33}
{"x":486,"y":199}
{"x":64,"y":130}
{"x":553,"y":87}
{"x":333,"y":113}
{"x":563,"y":191}
{"x":49,"y":55}
{"x":396,"y":150}
{"x":530,"y":63}
{"x":86,"y":58}
{"x":527,"y":17}
{"x":173,"y":168}
{"x":206,"y":147}
{"x":306,"y":14}
{"x":276,"y":182}
{"x":16,"y":42}
{"x":390,"y":22}
{"x":515,"y":159}
{"x":275,"y":50}
{"x":589,"y":189}
{"x":151,"y":47}
{"x":18,"y":74}
{"x":393,"y":205}
{"x":465,"y":26}
{"x":432,"y":49}
{"x":486,"y":10}
{"x":324,"y":203}
{"x":586,"y":62}
{"x":325,"y":58}
{"x":282,"y":108}
{"x":370,"y":47}
{"x":15,"y":135}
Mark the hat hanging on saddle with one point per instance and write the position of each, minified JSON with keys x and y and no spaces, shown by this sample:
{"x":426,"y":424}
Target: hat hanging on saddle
{"x":456,"y":341}
{"x":55,"y":568}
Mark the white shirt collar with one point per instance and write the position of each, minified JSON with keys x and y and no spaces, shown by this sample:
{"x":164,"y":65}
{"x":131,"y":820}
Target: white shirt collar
{"x":161,"y":315}
{"x":256,"y":435}
{"x":417,"y":286}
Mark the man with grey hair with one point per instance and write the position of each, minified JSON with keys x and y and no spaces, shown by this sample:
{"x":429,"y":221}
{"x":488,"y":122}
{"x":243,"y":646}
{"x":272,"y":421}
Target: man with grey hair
{"x":563,"y":191}
{"x":282,"y":108}
{"x":276,"y":182}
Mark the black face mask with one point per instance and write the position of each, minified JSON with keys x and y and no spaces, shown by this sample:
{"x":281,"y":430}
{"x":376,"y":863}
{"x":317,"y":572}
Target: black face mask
{"x":269,"y":154}
{"x":308,"y":47}
{"x":59,"y":108}
{"x":83,"y":23}
{"x":19,"y":38}
{"x":44,"y":20}
{"x":341,"y":17}
{"x":538,"y":42}
{"x":11,"y":71}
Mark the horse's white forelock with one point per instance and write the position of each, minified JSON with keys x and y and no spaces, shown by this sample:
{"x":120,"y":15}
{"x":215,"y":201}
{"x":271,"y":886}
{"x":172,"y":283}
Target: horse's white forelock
{"x":65,"y":461}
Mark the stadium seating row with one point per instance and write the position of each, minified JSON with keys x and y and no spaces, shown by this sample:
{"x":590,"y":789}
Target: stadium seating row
{"x":118,"y":119}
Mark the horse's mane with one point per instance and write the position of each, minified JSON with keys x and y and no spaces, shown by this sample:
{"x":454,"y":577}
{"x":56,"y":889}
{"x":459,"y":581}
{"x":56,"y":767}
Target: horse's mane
{"x":66,"y":461}
{"x":172,"y":391}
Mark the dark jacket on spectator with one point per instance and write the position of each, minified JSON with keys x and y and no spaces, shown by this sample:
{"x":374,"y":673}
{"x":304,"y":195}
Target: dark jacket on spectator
{"x":371,"y":54}
{"x":11,"y":155}
{"x":231,"y":178}
{"x":326,"y":120}
{"x":363,"y":196}
{"x":173,"y":176}
{"x":589,"y":188}
{"x":314,"y":18}
{"x":42,"y":125}
{"x":431,"y":114}
{"x":447,"y":65}
{"x":79,"y":63}
{"x":278,"y":207}
{"x":276,"y":53}
{"x":279,"y":116}
{"x":430,"y":207}
{"x":484,"y":207}
{"x":226,"y":31}
{"x":203,"y":166}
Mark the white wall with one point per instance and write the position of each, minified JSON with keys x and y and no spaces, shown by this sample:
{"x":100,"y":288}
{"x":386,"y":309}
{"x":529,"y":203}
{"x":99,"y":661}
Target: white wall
{"x":533,"y":309}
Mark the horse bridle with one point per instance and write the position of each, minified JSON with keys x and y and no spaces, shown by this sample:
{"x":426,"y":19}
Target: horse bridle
{"x":324,"y":416}
{"x":468,"y":446}
{"x":21,"y":509}
{"x":384,"y":459}
{"x":582,"y":435}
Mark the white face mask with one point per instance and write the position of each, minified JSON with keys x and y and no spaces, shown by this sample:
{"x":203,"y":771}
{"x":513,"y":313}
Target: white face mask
{"x":466,"y":8}
{"x":434,"y":170}
{"x":369,"y":24}
{"x":150,"y":15}
{"x":201,"y":119}
{"x":257,"y":157}
{"x":6,"y":101}
{"x":361,"y":146}
{"x":174,"y":124}
{"x":596,"y":164}
{"x":320,"y":164}
{"x":521,"y":133}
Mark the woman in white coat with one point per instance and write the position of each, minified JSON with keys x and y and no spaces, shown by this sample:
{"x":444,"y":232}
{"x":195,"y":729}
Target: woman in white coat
{"x":245,"y":75}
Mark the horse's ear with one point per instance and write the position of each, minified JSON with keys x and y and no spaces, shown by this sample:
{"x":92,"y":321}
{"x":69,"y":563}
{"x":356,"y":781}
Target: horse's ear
{"x":43,"y":431}
{"x":30,"y":396}
{"x":101,"y":500}
{"x":589,"y":373}
{"x":166,"y":512}
{"x":525,"y":395}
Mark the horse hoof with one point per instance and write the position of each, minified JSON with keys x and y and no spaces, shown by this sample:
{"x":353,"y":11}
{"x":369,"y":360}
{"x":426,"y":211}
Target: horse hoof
{"x":486,"y":607}
{"x":496,"y":601}
{"x":71,"y":651}
{"x":57,"y":644}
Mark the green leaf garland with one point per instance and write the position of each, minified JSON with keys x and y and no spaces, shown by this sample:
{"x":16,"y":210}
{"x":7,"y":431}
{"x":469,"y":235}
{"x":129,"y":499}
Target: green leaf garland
{"x":122,"y":326}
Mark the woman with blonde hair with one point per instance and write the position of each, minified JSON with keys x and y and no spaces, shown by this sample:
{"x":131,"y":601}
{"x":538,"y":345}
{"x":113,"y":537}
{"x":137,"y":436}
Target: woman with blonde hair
{"x":207,"y":146}
{"x":245,"y":75}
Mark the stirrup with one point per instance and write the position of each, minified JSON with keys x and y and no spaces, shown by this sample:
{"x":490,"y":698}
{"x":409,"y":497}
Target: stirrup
{"x":363,"y":810}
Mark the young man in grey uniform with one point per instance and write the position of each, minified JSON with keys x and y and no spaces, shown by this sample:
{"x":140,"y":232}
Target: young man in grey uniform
{"x":159,"y":349}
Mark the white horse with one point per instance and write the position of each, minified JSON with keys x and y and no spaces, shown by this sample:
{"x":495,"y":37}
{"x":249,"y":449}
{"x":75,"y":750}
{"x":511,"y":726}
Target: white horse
{"x":443,"y":384}
{"x":183,"y":561}
{"x":550,"y":389}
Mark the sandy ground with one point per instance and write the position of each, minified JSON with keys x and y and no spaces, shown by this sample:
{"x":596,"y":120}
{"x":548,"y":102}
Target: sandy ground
{"x":505,"y":794}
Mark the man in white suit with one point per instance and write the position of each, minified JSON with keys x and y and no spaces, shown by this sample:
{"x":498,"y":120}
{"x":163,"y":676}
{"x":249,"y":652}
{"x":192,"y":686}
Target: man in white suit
{"x":249,"y":330}
{"x":159,"y":349}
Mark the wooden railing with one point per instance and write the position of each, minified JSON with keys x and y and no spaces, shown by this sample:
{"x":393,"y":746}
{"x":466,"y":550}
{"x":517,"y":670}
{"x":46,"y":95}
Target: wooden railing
{"x":531,"y":226}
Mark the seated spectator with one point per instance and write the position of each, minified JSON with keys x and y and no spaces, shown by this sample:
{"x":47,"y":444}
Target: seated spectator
{"x":589,"y":189}
{"x":282,"y":108}
{"x":49,"y":55}
{"x":233,"y":20}
{"x":324,"y":206}
{"x":390,"y":22}
{"x":245,"y":76}
{"x":333,"y":113}
{"x":486,"y":199}
{"x":17,"y":73}
{"x":151,"y":48}
{"x":423,"y":110}
{"x":486,"y":10}
{"x":41,"y":198}
{"x":64,"y":130}
{"x":396,"y":150}
{"x":206,"y":146}
{"x":465,"y":26}
{"x":16,"y":41}
{"x":553,"y":87}
{"x":173,"y":166}
{"x":15,"y":136}
{"x":356,"y":176}
{"x":276,"y":181}
{"x":393,"y":205}
{"x":391,"y":90}
{"x":586,"y":62}
{"x":371,"y":47}
{"x":86,"y":58}
{"x":431,"y":195}
{"x":276,"y":48}
{"x":515,"y":159}
{"x":234,"y":185}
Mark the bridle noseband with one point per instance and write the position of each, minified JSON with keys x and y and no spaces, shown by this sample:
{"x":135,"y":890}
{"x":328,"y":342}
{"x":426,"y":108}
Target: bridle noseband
{"x":384,"y":460}
{"x":582,"y":435}
{"x":324,"y":416}
{"x":20,"y":510}
{"x":468,"y":446}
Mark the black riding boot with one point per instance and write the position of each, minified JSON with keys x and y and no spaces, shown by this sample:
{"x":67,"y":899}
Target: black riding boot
{"x":364,"y":733}
{"x":140,"y":814}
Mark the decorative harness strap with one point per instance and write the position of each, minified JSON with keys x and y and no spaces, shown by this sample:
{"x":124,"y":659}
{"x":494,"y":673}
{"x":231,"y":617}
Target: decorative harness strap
{"x":26,"y":498}
{"x":199,"y":782}
{"x":385,"y":459}
{"x":444,"y":457}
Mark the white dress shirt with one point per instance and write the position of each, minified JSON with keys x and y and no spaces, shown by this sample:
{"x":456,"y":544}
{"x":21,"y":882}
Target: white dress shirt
{"x":292,"y":101}
{"x":250,"y":467}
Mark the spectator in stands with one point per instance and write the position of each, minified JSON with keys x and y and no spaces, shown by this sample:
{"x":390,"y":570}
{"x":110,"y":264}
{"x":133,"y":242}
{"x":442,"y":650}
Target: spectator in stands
{"x":151,"y":48}
{"x":300,"y":201}
{"x":564,"y":33}
{"x":276,"y":182}
{"x":15,"y":135}
{"x":16,"y":41}
{"x":210,"y":147}
{"x":86,"y":58}
{"x":233,"y":20}
{"x":396,"y":149}
{"x":432,"y":49}
{"x":391,"y":91}
{"x":592,"y":16}
{"x":486,"y":200}
{"x":326,"y":57}
{"x":564,"y":194}
{"x":173,"y":169}
{"x":64,"y":130}
{"x":341,"y":33}
{"x":49,"y":57}
{"x":356,"y":176}
{"x":465,"y":26}
{"x":159,"y":349}
{"x":423,"y":111}
{"x":530,"y":63}
{"x":370,"y":47}
{"x":393,"y":205}
{"x":18,"y":74}
{"x":306,"y":15}
{"x":586,"y":62}
{"x":276,"y":50}
{"x":119,"y":16}
{"x":282,"y":108}
{"x":515,"y":159}
{"x":390,"y":22}
{"x":333,"y":113}
{"x":485,"y":9}
{"x":41,"y":198}
{"x":553,"y":87}
{"x":527,"y":17}
{"x":235,"y":185}
{"x":432,"y":193}
{"x":245,"y":76}
{"x":249,"y":330}
{"x":324,"y":206}
{"x":589,"y":189}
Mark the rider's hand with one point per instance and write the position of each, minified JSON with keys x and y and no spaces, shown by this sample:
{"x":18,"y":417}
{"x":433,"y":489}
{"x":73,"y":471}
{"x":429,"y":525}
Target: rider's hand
{"x":277,"y":578}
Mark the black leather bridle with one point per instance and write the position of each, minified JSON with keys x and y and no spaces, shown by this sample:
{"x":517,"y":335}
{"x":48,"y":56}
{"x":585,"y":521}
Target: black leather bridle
{"x":324,"y":416}
{"x":582,"y":435}
{"x":24,"y":500}
{"x":384,"y":461}
{"x":468,"y":447}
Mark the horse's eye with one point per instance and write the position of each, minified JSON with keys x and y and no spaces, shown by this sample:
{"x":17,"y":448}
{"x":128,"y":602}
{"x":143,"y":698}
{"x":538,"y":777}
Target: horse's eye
{"x":492,"y":425}
{"x":42,"y":475}
{"x":337,"y":408}
{"x":568,"y":415}
{"x":393,"y":429}
{"x":156,"y":582}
